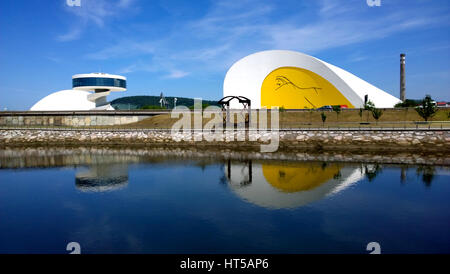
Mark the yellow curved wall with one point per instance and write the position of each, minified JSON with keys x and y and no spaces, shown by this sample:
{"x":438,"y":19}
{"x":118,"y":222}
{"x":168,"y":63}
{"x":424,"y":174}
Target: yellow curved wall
{"x":299,"y":176}
{"x":297,"y":88}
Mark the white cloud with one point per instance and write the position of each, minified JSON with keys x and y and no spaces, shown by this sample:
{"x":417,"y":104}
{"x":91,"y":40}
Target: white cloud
{"x":128,"y":69}
{"x":125,"y":3}
{"x":329,"y":8}
{"x":338,"y":25}
{"x":176,"y":74}
{"x":122,"y":49}
{"x":94,"y":12}
{"x":230,"y":30}
{"x":73,"y":34}
{"x":138,"y":66}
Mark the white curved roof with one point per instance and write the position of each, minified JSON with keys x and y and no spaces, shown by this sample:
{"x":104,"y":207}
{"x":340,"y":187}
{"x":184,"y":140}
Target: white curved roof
{"x":64,"y":100}
{"x":246,"y":76}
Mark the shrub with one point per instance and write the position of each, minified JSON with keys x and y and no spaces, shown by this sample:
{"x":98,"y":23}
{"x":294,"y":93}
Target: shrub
{"x":376,"y":113}
{"x":337,"y":109}
{"x":324,"y":117}
{"x":427,"y":108}
{"x":407,"y":103}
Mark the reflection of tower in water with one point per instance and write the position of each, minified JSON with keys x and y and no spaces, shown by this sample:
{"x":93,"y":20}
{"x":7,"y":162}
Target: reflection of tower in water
{"x":239,"y":175}
{"x":288,"y":185}
{"x":102,"y":177}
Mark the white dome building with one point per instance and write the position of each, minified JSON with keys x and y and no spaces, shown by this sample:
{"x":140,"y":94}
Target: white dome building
{"x":89,"y":93}
{"x":64,"y":100}
{"x":293,"y":80}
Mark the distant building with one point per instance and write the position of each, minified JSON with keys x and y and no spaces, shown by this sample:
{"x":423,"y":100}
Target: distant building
{"x":88,"y":92}
{"x":443,"y":104}
{"x":293,"y":80}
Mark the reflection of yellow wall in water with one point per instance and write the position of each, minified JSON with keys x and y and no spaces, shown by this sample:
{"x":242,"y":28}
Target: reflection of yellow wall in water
{"x":292,"y":87}
{"x":298,"y":177}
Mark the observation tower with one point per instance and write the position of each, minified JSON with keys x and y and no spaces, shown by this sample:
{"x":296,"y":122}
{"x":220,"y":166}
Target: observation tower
{"x":102,"y":84}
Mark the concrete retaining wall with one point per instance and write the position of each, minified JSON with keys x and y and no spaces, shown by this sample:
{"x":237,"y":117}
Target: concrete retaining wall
{"x":70,"y":120}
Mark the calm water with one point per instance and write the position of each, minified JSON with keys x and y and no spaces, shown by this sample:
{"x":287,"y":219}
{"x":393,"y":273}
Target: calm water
{"x":118,"y":204}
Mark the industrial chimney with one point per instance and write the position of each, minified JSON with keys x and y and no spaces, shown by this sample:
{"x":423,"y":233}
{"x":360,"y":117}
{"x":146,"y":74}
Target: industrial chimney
{"x":402,"y":77}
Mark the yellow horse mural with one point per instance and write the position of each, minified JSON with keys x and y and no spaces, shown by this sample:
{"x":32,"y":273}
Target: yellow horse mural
{"x":296,"y":88}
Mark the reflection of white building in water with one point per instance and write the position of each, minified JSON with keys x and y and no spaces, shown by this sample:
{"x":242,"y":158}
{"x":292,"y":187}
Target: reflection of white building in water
{"x":102,"y":177}
{"x":288,"y":185}
{"x":88,"y":92}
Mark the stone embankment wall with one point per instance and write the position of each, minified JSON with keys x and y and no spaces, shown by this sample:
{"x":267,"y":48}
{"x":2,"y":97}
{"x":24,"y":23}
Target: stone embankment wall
{"x":75,"y":119}
{"x":426,"y":140}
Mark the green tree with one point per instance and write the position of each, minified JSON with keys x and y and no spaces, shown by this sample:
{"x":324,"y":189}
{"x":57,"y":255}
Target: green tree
{"x":407,"y":103}
{"x":324,"y":118}
{"x":376,"y":113}
{"x":369,"y":105}
{"x":427,"y":108}
{"x":337,"y":109}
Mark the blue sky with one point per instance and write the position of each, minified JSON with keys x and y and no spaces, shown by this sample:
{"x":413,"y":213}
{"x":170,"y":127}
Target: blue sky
{"x":184,"y":48}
